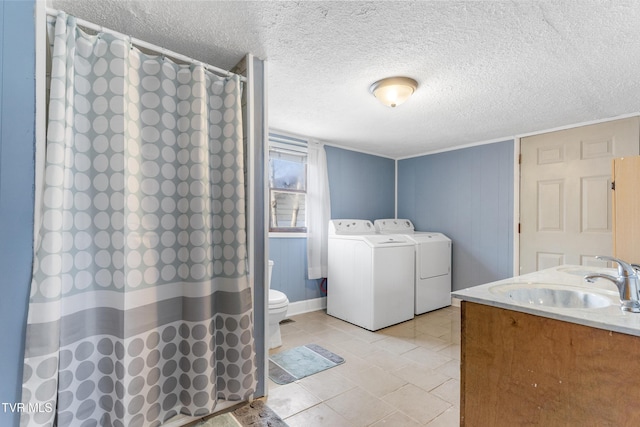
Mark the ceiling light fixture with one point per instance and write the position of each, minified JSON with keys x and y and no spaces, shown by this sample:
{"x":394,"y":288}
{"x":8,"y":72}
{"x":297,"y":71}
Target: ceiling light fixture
{"x":393,"y":91}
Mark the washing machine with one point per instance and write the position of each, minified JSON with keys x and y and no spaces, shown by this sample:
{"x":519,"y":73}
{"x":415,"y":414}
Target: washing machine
{"x":432,"y":266}
{"x":370,"y":275}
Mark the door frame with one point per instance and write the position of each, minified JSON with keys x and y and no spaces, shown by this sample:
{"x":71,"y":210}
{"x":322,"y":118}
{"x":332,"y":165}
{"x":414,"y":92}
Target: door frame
{"x":517,"y":141}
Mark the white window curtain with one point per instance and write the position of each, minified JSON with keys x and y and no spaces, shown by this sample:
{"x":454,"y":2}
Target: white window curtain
{"x":318,"y":210}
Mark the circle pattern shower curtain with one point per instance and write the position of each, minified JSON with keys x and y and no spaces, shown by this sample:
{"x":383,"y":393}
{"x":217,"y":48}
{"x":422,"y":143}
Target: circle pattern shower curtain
{"x":140,"y":306}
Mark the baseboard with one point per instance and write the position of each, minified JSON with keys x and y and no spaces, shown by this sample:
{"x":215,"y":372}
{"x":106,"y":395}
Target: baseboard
{"x":300,"y":307}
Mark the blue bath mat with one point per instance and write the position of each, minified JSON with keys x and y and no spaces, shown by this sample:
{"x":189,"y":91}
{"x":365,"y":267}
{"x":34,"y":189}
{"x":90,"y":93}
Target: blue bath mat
{"x":300,"y":362}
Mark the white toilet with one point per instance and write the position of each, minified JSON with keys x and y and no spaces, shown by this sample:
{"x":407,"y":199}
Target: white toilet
{"x":278,"y":304}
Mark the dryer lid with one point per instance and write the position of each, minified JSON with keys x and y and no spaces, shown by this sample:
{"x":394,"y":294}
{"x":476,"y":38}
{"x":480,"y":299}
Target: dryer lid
{"x":388,"y":240}
{"x":394,"y":226}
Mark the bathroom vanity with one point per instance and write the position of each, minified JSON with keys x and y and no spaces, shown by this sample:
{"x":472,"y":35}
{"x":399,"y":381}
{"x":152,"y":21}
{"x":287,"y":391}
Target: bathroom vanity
{"x":549,"y":349}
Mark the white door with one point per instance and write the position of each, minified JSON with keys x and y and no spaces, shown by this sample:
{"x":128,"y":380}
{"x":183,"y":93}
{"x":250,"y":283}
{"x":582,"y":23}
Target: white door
{"x":565,"y":193}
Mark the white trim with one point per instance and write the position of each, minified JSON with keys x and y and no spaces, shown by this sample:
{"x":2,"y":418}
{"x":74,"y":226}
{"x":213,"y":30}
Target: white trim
{"x":455,"y":302}
{"x":286,"y":134}
{"x":251,"y":190}
{"x":516,"y":206}
{"x":41,"y":111}
{"x":357,"y":150}
{"x":577,"y":125}
{"x":519,"y":135}
{"x":264,"y":322}
{"x":395,"y":195}
{"x":459,"y":147}
{"x":306,"y":306}
{"x":469,"y":145}
{"x":254,"y":264}
{"x":284,"y":235}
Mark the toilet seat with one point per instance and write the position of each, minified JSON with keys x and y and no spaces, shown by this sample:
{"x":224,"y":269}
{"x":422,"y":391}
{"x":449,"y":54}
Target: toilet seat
{"x":277,"y":299}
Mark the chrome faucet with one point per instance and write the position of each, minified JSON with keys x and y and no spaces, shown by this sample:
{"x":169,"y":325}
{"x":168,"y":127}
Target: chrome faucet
{"x":627,"y":282}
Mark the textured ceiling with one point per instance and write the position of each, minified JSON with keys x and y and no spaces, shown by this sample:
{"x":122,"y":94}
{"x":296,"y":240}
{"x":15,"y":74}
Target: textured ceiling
{"x":486,"y":69}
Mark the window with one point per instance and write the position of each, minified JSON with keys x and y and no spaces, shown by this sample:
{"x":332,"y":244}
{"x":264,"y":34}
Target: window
{"x":287,"y":184}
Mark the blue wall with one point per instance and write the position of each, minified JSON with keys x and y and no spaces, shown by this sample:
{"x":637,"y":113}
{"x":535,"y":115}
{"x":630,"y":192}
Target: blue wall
{"x":289,"y":255}
{"x":362,"y":185}
{"x":17,"y":115}
{"x":466,"y":194}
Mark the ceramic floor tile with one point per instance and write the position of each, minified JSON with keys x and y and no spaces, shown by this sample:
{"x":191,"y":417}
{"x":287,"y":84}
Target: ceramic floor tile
{"x":327,"y":384}
{"x":332,"y":335}
{"x":451,"y":337}
{"x":449,"y":418}
{"x":341,"y":324}
{"x":426,"y":357}
{"x":417,"y":403}
{"x":289,"y":328}
{"x":359,"y":407}
{"x":434,"y":318}
{"x":318,"y":416}
{"x":421,"y":376}
{"x":430,"y":342}
{"x":397,"y":419}
{"x":452,"y":351}
{"x":352,"y":363}
{"x":312,"y":326}
{"x":359,"y":347}
{"x":366,"y":335}
{"x":395,"y":345}
{"x":273,"y":385}
{"x":400,"y":363}
{"x":386,"y":360}
{"x":318,"y":316}
{"x":377,"y":381}
{"x":290,"y":399}
{"x":449,"y":391}
{"x":434,"y":330}
{"x":402,"y":330}
{"x":450,"y":369}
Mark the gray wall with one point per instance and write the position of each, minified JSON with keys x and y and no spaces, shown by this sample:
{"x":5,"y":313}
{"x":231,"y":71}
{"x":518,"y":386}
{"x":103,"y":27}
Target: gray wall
{"x":361,"y":186}
{"x":17,"y":115}
{"x":466,"y":194}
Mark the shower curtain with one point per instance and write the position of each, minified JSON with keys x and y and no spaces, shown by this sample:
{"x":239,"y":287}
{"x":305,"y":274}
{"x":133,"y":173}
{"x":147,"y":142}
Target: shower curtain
{"x":140,"y":306}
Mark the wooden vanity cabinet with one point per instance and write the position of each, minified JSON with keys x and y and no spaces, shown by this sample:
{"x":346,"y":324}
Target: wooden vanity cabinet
{"x":626,"y":209}
{"x":519,"y":369}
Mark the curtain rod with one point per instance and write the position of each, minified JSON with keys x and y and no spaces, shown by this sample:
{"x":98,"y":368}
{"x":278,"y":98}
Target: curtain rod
{"x":149,"y":46}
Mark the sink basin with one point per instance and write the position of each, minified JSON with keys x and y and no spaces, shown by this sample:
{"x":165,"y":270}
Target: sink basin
{"x":551,"y":296}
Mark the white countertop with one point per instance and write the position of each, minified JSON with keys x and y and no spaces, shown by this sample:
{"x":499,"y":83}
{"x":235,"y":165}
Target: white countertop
{"x":610,"y":318}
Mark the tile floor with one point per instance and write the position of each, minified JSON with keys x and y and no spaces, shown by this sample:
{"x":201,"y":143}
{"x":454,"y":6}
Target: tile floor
{"x":404,"y":375}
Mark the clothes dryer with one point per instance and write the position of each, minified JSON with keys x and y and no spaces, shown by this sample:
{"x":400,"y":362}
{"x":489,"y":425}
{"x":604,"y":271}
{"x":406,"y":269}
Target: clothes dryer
{"x":432,"y":263}
{"x":370,"y":276}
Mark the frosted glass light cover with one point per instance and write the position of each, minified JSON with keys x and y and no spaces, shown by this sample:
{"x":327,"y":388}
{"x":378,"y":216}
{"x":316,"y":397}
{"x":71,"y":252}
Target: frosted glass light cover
{"x":394,"y":91}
